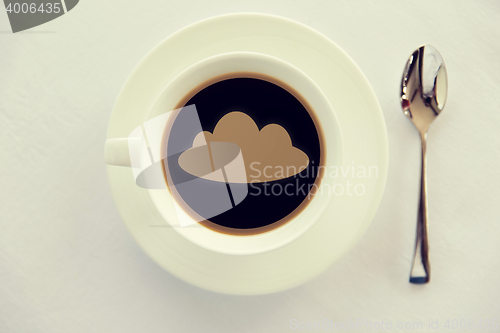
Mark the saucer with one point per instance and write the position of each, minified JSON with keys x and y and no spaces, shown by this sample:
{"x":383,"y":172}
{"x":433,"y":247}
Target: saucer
{"x":365,"y":147}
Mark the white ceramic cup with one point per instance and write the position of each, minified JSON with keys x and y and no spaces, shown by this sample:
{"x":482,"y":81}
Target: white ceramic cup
{"x":117,"y":151}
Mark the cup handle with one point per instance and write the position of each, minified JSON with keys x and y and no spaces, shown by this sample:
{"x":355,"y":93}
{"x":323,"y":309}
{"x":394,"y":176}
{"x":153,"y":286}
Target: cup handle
{"x":116,"y":152}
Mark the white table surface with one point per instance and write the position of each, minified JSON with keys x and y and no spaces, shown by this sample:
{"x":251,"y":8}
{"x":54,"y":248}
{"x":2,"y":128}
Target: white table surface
{"x":68,"y":264}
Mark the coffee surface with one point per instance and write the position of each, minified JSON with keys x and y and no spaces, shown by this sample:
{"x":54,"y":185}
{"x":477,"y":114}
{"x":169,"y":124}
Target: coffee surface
{"x":269,"y":127}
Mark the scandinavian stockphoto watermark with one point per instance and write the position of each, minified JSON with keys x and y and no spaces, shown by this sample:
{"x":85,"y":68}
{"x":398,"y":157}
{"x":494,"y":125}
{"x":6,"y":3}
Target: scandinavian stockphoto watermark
{"x":349,"y":179}
{"x":26,"y":14}
{"x":209,"y":173}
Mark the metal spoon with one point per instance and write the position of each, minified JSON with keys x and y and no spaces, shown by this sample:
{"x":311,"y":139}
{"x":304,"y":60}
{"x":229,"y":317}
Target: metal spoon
{"x":424,"y":88}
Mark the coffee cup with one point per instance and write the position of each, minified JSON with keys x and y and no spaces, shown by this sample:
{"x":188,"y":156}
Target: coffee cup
{"x":230,"y":184}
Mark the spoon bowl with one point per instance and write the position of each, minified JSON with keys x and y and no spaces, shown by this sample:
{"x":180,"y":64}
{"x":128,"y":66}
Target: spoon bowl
{"x":424,"y":87}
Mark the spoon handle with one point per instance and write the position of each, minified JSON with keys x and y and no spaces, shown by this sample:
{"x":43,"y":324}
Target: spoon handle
{"x":421,"y":270}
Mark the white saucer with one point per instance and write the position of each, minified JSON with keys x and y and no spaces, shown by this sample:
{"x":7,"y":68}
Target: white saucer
{"x":365,"y":145}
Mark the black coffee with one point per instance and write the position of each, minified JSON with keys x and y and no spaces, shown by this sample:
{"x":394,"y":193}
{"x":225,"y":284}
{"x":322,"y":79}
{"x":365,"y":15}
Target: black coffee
{"x":281,"y":145}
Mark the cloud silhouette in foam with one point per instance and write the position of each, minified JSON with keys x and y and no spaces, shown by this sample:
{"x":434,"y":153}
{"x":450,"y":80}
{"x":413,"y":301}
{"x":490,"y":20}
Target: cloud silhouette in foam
{"x":268,"y":154}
